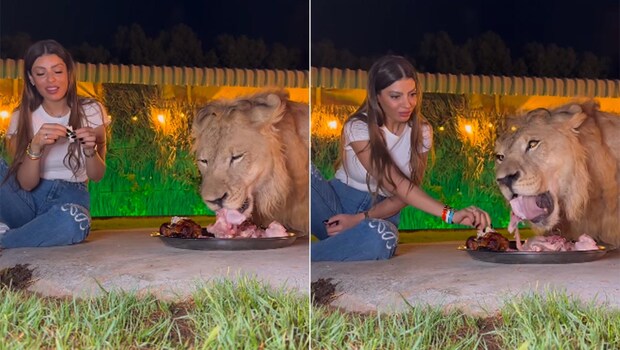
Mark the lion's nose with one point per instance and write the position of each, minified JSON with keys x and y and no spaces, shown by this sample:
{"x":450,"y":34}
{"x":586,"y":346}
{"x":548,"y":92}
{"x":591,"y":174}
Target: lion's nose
{"x":508,"y":180}
{"x":219,"y":201}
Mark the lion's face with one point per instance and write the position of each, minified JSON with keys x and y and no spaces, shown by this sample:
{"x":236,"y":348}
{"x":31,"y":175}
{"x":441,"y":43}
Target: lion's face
{"x":234,"y":148}
{"x":540,"y":159}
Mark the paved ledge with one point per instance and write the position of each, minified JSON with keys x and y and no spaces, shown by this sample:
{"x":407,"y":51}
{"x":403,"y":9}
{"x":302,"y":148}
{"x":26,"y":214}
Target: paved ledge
{"x":134,"y":261}
{"x":438,"y":274}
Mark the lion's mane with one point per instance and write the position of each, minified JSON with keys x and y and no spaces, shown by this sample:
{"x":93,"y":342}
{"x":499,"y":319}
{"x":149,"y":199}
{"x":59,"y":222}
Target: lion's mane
{"x":252,"y":153}
{"x":571,"y":155}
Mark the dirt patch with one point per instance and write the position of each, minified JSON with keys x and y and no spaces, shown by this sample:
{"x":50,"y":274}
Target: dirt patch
{"x":323,"y":291}
{"x":183,"y":331}
{"x":487,"y":327}
{"x":18,"y":277}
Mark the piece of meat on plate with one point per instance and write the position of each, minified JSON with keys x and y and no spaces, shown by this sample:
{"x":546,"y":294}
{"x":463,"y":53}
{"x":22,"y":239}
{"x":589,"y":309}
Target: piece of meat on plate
{"x":488,"y":240}
{"x":181,"y":227}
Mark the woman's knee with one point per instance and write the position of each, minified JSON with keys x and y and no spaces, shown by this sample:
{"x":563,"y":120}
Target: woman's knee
{"x":386,"y":237}
{"x":77,"y":220}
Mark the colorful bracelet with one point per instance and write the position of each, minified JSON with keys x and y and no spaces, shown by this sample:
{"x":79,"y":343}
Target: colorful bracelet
{"x":450,"y":216}
{"x":32,"y":155}
{"x":447,"y":214}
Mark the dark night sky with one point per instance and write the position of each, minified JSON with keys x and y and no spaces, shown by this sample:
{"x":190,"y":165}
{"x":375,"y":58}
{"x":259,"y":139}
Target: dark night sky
{"x":95,"y":21}
{"x":368,"y":27}
{"x":365,"y":27}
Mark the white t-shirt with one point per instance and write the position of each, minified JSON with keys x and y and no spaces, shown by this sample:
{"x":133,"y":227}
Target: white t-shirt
{"x":52,"y":165}
{"x":399,"y":147}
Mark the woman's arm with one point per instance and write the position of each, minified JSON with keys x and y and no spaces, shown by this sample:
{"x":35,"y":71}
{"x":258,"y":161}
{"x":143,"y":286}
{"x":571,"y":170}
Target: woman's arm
{"x":29,"y":172}
{"x":95,"y":160}
{"x":415,"y":196}
{"x":381,"y":210}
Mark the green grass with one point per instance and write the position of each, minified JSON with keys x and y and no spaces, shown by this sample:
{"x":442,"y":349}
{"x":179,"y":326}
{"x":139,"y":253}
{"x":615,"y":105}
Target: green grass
{"x":221,"y":315}
{"x":551,"y":320}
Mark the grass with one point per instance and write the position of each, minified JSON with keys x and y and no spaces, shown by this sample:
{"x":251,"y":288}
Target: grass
{"x":221,"y":315}
{"x":248,"y":315}
{"x":551,"y":320}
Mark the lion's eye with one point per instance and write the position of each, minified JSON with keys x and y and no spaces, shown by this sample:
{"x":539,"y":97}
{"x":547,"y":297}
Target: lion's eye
{"x":499,"y":157}
{"x":236,"y":157}
{"x":203,"y":161}
{"x":532,"y":144}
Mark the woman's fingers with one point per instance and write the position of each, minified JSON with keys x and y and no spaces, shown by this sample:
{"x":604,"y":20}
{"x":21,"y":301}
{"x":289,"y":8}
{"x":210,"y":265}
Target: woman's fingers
{"x":49,"y":133}
{"x":475,"y":217}
{"x":86,"y":136}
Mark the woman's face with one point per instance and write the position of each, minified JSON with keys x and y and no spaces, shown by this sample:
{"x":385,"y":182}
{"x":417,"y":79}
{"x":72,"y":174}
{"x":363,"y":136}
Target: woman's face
{"x":50,"y":77}
{"x":398,"y":101}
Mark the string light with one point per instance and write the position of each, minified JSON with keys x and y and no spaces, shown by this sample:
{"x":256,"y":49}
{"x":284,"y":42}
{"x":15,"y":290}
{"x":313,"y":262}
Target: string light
{"x":441,"y":128}
{"x":4,"y":114}
{"x":468,"y":128}
{"x":332,"y":124}
{"x":134,"y":118}
{"x":161,"y":118}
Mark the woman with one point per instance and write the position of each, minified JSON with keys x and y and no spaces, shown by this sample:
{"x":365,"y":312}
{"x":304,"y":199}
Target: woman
{"x":384,"y":149}
{"x":57,"y":141}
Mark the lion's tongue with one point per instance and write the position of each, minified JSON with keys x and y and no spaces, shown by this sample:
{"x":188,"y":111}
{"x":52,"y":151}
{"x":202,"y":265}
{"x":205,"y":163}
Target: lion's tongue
{"x":525,"y":207}
{"x":233,"y":217}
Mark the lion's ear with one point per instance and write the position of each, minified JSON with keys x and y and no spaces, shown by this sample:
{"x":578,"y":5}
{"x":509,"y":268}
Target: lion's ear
{"x":574,"y":122}
{"x":201,"y":116}
{"x":270,"y":109}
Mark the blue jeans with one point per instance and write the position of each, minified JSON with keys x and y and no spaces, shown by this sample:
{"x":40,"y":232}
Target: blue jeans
{"x":55,"y":213}
{"x":372,"y":239}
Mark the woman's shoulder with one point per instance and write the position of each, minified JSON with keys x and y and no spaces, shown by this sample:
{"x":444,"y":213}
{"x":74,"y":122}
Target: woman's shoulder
{"x":91,"y":105}
{"x":94,"y":111}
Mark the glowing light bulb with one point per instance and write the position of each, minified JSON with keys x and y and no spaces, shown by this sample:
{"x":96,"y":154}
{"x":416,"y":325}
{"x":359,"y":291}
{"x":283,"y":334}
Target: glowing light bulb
{"x":468,"y":129}
{"x":490,"y":125}
{"x":332,"y":124}
{"x":4,"y":114}
{"x":441,"y":128}
{"x":513,"y":128}
{"x":161,"y":118}
{"x":134,"y":118}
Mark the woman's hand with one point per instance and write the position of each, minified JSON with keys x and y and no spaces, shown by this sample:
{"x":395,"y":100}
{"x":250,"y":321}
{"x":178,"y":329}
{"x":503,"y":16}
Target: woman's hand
{"x":48,"y":134}
{"x":341,"y":222}
{"x":87,"y":137}
{"x":472,"y":216}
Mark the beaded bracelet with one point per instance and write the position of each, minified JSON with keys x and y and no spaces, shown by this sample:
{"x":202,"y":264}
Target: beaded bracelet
{"x":32,"y":155}
{"x":447,"y":214}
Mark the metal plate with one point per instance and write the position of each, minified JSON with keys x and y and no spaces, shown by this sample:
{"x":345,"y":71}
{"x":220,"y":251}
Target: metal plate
{"x":520,"y":257}
{"x":211,"y":243}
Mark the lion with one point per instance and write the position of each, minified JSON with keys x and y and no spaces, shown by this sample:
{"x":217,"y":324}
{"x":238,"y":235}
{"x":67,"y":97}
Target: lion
{"x":252,"y":153}
{"x":564,"y":163}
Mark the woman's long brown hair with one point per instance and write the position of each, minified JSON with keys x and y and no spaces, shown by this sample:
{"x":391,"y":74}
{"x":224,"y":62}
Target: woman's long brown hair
{"x":382,"y":74}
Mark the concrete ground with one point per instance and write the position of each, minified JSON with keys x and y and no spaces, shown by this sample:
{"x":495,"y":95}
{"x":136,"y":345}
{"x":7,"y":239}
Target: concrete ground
{"x":134,"y":261}
{"x":440,"y":275}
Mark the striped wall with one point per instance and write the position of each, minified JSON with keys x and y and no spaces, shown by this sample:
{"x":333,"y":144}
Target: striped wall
{"x":328,"y":79}
{"x":179,"y":76}
{"x":478,"y":84}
